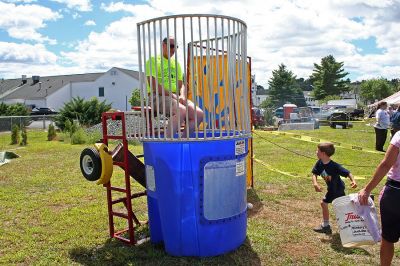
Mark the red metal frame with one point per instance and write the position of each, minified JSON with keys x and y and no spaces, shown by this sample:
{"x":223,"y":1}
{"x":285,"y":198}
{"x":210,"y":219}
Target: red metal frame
{"x":127,"y":199}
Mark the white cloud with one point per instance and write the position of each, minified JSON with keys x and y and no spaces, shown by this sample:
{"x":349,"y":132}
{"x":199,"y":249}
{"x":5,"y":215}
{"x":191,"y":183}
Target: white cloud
{"x":76,"y":15}
{"x":26,"y":54}
{"x":90,"y":23}
{"x":297,"y":33}
{"x":27,"y":59}
{"x":80,"y":5}
{"x":101,"y":51}
{"x":19,"y":1}
{"x":23,"y":21}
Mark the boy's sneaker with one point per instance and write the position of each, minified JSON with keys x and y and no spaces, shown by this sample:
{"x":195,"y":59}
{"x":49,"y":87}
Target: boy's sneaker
{"x":323,"y":229}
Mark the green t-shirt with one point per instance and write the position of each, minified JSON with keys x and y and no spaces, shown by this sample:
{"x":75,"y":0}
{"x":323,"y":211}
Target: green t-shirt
{"x":152,"y":72}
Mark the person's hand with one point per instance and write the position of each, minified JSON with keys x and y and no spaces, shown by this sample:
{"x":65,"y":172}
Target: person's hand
{"x":182,"y":100}
{"x":363,"y":196}
{"x":317,"y":188}
{"x":353,"y":184}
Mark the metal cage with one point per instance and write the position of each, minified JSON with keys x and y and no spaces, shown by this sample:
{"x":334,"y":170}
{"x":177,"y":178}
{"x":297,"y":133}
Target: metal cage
{"x":207,"y":55}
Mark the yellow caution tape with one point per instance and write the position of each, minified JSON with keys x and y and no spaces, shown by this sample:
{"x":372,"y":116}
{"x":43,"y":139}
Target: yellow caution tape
{"x":289,"y":174}
{"x":318,"y":140}
{"x":344,"y":121}
{"x":274,"y":169}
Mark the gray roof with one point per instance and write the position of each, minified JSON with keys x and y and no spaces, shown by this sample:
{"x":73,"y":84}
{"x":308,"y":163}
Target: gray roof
{"x":14,"y":89}
{"x":7,"y":84}
{"x":132,"y":73}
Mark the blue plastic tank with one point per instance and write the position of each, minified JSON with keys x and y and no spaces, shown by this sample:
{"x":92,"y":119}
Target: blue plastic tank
{"x":197,"y":195}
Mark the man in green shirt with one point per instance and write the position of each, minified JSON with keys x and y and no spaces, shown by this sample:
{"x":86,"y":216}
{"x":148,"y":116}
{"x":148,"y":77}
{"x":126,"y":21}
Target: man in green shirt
{"x":164,"y":77}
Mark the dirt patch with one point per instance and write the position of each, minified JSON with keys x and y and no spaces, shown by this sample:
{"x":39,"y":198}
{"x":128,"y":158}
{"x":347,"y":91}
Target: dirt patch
{"x":297,"y":251}
{"x":58,"y":207}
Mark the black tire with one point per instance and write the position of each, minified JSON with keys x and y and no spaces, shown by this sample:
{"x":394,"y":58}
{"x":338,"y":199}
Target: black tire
{"x":90,"y":163}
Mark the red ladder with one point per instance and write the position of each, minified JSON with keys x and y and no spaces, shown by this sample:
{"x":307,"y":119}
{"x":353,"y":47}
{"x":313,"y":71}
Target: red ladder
{"x":130,"y":216}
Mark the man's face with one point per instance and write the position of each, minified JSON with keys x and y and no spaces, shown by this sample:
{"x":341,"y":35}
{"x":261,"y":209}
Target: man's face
{"x":171,"y":48}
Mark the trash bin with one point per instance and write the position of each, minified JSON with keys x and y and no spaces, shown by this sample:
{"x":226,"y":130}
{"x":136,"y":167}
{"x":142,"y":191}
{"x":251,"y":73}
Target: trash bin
{"x":197,"y":195}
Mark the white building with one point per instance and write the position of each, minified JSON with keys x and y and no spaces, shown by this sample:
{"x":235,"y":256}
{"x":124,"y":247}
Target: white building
{"x":115,"y":86}
{"x":259,"y":98}
{"x":310,"y":101}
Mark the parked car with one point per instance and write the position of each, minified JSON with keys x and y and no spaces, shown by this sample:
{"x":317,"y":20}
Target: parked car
{"x":357,"y":113}
{"x":339,"y":118}
{"x":43,"y":111}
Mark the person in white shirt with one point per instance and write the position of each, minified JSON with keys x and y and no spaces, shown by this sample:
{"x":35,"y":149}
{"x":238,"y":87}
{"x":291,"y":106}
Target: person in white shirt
{"x":381,"y":126}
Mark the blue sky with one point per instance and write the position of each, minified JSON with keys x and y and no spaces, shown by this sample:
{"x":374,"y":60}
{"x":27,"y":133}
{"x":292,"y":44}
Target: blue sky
{"x":55,"y":37}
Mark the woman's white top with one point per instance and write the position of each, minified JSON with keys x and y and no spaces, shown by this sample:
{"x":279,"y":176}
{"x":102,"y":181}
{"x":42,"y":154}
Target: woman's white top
{"x":382,"y":119}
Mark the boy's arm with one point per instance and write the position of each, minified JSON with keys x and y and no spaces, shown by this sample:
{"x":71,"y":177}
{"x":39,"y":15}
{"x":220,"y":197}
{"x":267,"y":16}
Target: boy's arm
{"x":315,"y":183}
{"x":353,"y":183}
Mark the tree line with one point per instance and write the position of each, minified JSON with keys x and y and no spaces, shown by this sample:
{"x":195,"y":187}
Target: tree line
{"x":328,"y":81}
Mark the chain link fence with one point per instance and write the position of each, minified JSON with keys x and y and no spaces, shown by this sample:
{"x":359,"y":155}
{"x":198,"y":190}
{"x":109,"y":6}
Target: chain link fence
{"x":38,"y":122}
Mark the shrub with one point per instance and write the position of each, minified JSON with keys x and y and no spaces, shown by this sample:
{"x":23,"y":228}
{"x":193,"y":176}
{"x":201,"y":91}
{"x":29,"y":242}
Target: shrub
{"x":269,"y":117}
{"x":15,"y":134}
{"x":94,"y":137}
{"x":74,"y":127}
{"x":88,"y":113}
{"x":67,"y":126}
{"x":135,"y":98}
{"x":51,"y":133}
{"x":3,"y":109}
{"x":24,"y":137}
{"x":17,"y":109}
{"x":79,"y":136}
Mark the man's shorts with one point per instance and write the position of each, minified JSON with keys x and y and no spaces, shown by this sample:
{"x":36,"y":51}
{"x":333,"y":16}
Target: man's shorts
{"x":390,"y":211}
{"x":161,"y":105}
{"x":331,"y":195}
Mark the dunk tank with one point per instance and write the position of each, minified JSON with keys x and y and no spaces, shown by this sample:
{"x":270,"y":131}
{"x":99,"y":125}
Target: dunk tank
{"x":196,"y":178}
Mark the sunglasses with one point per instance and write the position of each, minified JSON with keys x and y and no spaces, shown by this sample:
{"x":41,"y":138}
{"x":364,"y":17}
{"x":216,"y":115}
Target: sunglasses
{"x":172,"y":46}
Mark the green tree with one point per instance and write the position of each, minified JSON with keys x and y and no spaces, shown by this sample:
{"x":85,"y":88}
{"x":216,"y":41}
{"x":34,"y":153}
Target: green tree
{"x":88,"y":113}
{"x":375,"y":89}
{"x":24,"y":137}
{"x":283,"y":88}
{"x":304,"y":84}
{"x":261,"y":90}
{"x":51,"y":133}
{"x":15,"y":134}
{"x":327,"y":78}
{"x":135,"y":98}
{"x":17,"y":109}
{"x":3,"y":109}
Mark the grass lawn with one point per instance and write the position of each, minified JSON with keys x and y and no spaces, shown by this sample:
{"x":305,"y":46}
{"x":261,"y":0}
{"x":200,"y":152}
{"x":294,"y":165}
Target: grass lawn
{"x":51,"y":215}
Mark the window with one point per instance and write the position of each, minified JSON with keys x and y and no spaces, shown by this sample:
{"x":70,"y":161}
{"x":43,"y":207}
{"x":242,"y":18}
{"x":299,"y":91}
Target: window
{"x":113,"y":72}
{"x":101,"y":91}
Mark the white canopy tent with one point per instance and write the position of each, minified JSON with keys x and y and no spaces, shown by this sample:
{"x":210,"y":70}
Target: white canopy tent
{"x":393,"y":99}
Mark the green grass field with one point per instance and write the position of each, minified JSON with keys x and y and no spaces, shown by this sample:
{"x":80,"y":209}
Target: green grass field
{"x":51,"y":215}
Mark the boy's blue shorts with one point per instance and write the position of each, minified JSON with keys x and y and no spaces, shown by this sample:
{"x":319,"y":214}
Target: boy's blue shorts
{"x":331,"y":195}
{"x":390,"y":211}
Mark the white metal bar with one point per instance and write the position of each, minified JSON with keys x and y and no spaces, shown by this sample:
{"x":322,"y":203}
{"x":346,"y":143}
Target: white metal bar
{"x":178,"y":89}
{"x":150,"y":112}
{"x":205,"y":109}
{"x":155,"y":92}
{"x":185,"y":79}
{"x":162,"y":80}
{"x":194,"y":88}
